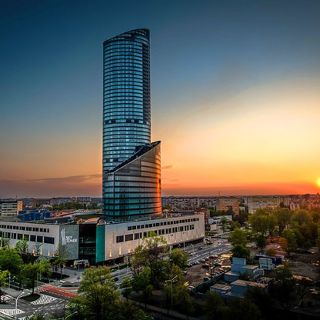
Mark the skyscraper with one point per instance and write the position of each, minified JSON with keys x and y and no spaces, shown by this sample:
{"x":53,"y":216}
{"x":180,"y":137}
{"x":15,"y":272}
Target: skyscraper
{"x":131,"y":163}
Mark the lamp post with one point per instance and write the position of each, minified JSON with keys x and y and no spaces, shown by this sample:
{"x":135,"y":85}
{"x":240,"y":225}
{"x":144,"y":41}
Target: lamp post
{"x":171,"y":285}
{"x":17,"y":298}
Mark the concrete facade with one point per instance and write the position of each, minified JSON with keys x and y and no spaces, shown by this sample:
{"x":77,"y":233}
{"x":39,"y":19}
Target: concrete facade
{"x":10,"y":208}
{"x":44,"y":239}
{"x":116,"y":240}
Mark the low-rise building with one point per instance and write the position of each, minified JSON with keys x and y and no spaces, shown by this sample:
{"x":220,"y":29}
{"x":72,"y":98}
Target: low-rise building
{"x":10,"y":207}
{"x":43,"y":238}
{"x":239,"y":288}
{"x":34,"y":214}
{"x":95,"y":240}
{"x":228,"y":204}
{"x":240,"y":267}
{"x":262,"y":202}
{"x":221,"y":289}
{"x":116,"y":240}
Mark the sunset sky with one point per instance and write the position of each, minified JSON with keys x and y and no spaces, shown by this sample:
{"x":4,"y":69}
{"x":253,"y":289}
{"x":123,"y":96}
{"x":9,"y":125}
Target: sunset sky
{"x":235,"y":94}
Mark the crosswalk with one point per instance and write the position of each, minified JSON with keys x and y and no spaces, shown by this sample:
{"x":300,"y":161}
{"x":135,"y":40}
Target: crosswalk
{"x":44,"y":299}
{"x":11,"y":312}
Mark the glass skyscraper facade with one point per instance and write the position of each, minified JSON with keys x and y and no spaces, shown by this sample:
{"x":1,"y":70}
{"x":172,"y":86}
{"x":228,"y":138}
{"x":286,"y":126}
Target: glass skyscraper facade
{"x":131,"y":163}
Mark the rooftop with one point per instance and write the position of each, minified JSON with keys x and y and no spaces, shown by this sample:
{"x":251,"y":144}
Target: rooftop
{"x":243,"y":283}
{"x":221,"y":287}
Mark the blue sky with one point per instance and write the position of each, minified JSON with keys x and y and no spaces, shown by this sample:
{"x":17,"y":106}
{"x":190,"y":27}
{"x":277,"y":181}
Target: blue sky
{"x":202,"y":54}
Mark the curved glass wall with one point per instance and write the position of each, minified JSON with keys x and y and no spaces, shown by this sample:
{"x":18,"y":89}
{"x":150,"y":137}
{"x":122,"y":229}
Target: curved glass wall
{"x":126,"y":96}
{"x":134,"y":187}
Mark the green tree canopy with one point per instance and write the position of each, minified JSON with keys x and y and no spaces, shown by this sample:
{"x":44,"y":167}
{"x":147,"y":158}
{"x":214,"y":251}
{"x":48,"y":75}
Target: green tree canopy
{"x":10,"y":260}
{"x":240,"y":251}
{"x":283,"y":289}
{"x":100,"y":299}
{"x":150,"y":254}
{"x":290,"y":236}
{"x":262,"y":221}
{"x":179,"y":258}
{"x":283,"y":218}
{"x":238,"y":237}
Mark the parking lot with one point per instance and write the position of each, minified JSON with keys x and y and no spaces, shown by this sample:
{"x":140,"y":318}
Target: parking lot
{"x":208,"y":261}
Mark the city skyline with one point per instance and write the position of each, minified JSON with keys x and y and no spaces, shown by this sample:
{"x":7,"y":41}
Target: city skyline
{"x":235,"y":97}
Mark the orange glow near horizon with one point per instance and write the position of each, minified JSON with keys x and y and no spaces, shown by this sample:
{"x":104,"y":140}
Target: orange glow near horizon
{"x":264,"y":140}
{"x":271,"y":149}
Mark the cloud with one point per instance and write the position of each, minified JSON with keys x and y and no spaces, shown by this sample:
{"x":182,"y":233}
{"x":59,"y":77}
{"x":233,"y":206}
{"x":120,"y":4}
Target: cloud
{"x":169,"y":166}
{"x":87,"y":185}
{"x":68,"y":179}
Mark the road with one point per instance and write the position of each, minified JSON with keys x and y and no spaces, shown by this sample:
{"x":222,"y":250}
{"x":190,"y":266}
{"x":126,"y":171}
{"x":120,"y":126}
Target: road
{"x":217,"y":248}
{"x":208,"y":251}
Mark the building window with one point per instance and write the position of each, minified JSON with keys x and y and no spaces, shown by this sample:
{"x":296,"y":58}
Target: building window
{"x":49,"y":240}
{"x":129,"y":237}
{"x":119,"y":239}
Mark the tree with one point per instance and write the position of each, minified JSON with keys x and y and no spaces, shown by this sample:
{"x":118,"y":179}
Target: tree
{"x":283,"y":288}
{"x":4,"y":275}
{"x":224,"y":223}
{"x":301,"y":217}
{"x":150,"y":254}
{"x":263,"y":221}
{"x":235,"y":225}
{"x":30,"y":272}
{"x":126,"y":286}
{"x":59,"y":259}
{"x":142,"y":283}
{"x":260,"y":241}
{"x":290,"y":236}
{"x":283,"y":242}
{"x":238,"y":237}
{"x":22,"y":249}
{"x":4,"y":242}
{"x":213,"y":305}
{"x":179,"y":258}
{"x":182,"y":299}
{"x":44,"y":267}
{"x":10,"y":260}
{"x":240,"y":251}
{"x":99,"y":298}
{"x":302,"y":288}
{"x":244,"y":309}
{"x":132,"y":312}
{"x":262,"y":300}
{"x":283,"y":217}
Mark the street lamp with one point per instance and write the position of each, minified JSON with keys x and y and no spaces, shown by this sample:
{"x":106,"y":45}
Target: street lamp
{"x":171,"y":284}
{"x":17,"y":298}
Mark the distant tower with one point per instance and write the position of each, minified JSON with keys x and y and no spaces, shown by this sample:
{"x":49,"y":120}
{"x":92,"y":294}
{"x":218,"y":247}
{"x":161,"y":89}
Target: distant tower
{"x":131,"y":163}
